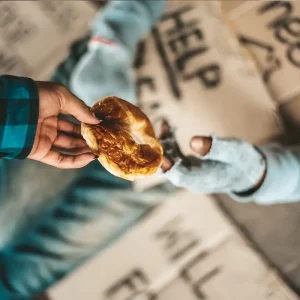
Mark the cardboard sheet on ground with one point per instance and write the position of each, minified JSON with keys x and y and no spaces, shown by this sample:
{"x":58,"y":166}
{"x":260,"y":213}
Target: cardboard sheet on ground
{"x":35,"y":35}
{"x":187,"y":250}
{"x":270,"y":31}
{"x":193,"y":72}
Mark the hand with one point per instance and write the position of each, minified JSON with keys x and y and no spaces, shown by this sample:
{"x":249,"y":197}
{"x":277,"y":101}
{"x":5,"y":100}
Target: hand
{"x":223,"y":165}
{"x":54,"y":136}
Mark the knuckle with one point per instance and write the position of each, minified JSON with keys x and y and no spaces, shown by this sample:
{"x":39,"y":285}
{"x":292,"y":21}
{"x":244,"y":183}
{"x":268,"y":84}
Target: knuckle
{"x":60,"y":87}
{"x":61,"y":92}
{"x":74,"y":143}
{"x":60,"y":161}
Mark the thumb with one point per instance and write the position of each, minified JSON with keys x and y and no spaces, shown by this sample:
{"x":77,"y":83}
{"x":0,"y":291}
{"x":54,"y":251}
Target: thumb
{"x":72,"y":105}
{"x":201,"y":144}
{"x":226,"y":150}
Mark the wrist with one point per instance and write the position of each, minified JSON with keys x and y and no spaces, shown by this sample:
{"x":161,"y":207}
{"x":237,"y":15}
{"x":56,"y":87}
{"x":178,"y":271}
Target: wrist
{"x":259,"y":183}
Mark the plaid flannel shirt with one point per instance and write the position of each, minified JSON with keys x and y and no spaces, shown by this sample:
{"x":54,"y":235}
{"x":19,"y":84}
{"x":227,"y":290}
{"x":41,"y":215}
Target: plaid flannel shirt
{"x":19,"y":110}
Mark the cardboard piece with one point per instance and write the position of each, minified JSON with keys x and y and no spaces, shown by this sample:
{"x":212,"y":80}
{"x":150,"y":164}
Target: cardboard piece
{"x":187,"y":248}
{"x":269,"y":31}
{"x":193,"y":72}
{"x":39,"y":33}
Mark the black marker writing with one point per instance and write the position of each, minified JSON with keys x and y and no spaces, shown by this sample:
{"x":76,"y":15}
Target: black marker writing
{"x":190,"y":275}
{"x":166,"y":64}
{"x":145,"y":81}
{"x":283,"y":6}
{"x":176,"y":240}
{"x":271,"y":62}
{"x":140,"y":55}
{"x":15,"y":28}
{"x":62,"y":13}
{"x":179,"y":41}
{"x":133,"y":285}
{"x":285,"y":28}
{"x":12,"y":64}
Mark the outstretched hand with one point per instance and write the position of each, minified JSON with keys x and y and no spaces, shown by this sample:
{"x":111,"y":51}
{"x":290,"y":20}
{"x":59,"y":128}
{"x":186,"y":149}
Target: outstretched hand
{"x":55,"y":137}
{"x":221,"y":165}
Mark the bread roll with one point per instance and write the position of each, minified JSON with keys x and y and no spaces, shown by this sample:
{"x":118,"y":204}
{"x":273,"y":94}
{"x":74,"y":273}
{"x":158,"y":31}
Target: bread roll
{"x":124,"y":140}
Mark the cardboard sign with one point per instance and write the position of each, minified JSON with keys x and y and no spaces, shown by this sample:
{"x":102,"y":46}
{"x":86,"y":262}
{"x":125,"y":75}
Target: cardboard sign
{"x":35,"y":35}
{"x":270,"y":30}
{"x":193,"y":72}
{"x":185,"y":250}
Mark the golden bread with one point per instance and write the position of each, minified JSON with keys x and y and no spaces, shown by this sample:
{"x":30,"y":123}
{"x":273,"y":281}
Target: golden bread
{"x":124,"y":140}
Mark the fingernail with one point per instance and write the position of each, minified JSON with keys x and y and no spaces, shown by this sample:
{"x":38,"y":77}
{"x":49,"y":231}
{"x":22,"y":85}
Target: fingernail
{"x":197,"y":144}
{"x":166,"y":165}
{"x":201,"y":145}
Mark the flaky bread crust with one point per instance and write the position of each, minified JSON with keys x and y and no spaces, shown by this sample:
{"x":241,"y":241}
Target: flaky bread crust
{"x":124,"y":140}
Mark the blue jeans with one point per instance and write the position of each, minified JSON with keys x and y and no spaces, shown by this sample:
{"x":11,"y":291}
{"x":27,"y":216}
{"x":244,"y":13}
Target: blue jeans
{"x":53,"y":220}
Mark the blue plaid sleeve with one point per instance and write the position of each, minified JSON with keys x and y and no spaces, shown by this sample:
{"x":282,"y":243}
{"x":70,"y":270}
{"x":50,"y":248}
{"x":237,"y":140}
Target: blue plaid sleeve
{"x":19,"y":109}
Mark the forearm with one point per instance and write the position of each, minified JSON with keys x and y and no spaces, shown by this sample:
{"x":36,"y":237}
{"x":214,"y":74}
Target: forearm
{"x":282,"y":181}
{"x":107,"y":66}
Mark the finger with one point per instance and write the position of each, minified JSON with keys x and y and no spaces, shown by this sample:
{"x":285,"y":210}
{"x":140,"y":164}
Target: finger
{"x":201,"y":144}
{"x":229,"y":150}
{"x":69,"y":127}
{"x":45,"y":136}
{"x":62,"y":161}
{"x":165,"y":130}
{"x":165,"y":127}
{"x":166,"y":164}
{"x":71,"y":144}
{"x":68,"y":142}
{"x":72,"y":105}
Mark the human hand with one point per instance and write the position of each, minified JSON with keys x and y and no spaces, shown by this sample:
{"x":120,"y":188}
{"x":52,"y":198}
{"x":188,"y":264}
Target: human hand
{"x":54,"y":136}
{"x":222,"y":166}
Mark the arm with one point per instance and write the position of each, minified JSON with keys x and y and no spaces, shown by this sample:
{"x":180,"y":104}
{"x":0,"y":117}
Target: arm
{"x":107,"y":66}
{"x":265,"y":175}
{"x":126,"y":22}
{"x":282,"y":180}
